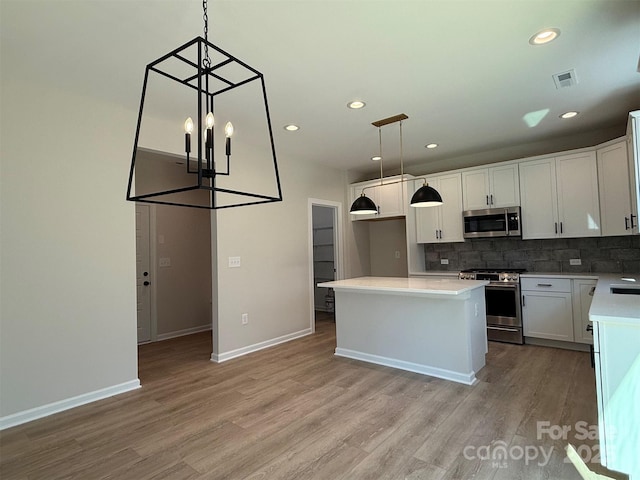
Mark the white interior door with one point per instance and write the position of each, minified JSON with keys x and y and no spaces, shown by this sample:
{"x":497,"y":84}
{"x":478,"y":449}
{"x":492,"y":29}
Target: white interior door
{"x":143,"y":277}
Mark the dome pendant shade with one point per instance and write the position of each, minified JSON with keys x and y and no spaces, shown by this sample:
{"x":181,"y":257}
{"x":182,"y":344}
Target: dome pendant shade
{"x":426,"y":196}
{"x":363,"y":205}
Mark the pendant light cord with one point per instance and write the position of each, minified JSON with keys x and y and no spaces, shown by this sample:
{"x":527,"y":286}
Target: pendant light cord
{"x":381,"y":158}
{"x":401,"y":158}
{"x":207,"y":61}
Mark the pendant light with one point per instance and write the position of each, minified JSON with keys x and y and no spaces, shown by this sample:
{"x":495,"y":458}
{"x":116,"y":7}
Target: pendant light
{"x":190,"y":82}
{"x":425,"y":196}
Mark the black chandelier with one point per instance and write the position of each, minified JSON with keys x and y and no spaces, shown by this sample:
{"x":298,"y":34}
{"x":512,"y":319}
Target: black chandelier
{"x":188,"y":83}
{"x":425,"y":196}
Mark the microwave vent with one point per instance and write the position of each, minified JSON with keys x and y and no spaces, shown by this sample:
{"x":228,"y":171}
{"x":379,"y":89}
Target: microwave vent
{"x":565,"y":79}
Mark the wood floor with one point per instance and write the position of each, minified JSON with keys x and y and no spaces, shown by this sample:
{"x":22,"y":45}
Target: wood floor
{"x":297,"y":412}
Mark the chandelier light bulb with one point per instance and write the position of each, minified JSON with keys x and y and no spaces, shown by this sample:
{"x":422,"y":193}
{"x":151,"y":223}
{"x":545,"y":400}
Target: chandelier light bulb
{"x":188,"y":125}
{"x":209,"y":120}
{"x":228,"y":129}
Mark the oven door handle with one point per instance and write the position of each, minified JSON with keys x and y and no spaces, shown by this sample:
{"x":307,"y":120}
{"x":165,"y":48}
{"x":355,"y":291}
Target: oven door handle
{"x":510,"y":286}
{"x":502,"y":329}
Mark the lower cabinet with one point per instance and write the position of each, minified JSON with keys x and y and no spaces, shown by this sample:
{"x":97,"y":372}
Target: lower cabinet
{"x":547,"y":312}
{"x":582,"y":296}
{"x":617,"y":364}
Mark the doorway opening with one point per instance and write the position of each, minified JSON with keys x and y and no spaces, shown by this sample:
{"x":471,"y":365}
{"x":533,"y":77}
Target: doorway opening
{"x":325,"y":257}
{"x":173,"y":262}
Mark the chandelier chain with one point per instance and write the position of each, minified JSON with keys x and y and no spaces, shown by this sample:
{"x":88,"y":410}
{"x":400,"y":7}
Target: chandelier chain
{"x":207,"y":61}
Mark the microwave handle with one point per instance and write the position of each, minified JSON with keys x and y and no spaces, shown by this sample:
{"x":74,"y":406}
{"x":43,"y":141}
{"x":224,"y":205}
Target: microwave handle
{"x":506,"y":222}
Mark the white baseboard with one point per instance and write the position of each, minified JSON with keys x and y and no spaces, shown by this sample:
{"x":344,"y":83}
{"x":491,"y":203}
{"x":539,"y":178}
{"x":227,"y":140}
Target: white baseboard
{"x":66,"y":404}
{"x":182,"y":333}
{"x":466,"y":378}
{"x":223,"y":357}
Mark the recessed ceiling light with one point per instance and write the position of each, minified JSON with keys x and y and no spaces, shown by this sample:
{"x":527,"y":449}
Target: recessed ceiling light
{"x":356,"y":104}
{"x":431,"y":145}
{"x":291,"y":127}
{"x":569,"y":114}
{"x":377,"y":158}
{"x":544,"y":36}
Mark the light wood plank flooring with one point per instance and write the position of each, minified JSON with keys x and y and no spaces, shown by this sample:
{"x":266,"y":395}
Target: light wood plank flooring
{"x":297,"y":412}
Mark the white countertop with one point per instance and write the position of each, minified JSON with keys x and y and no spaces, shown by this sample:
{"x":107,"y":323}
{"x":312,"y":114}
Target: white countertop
{"x":586,"y":276}
{"x":414,"y":285}
{"x":611,"y":307}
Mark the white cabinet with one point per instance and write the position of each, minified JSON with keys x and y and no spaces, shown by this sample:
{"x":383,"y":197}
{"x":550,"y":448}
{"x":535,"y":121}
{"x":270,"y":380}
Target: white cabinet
{"x":616,"y":345}
{"x":493,"y":187}
{"x":582,"y":291}
{"x":614,"y":187}
{"x":442,"y":223}
{"x":388,"y":195}
{"x":546,"y":308}
{"x":559,"y":197}
{"x":633,"y":154}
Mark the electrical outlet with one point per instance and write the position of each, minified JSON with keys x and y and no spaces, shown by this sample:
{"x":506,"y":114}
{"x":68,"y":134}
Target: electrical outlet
{"x":575,"y":261}
{"x":397,"y":253}
{"x":245,"y":318}
{"x":444,"y":261}
{"x":164,"y":262}
{"x":234,"y":262}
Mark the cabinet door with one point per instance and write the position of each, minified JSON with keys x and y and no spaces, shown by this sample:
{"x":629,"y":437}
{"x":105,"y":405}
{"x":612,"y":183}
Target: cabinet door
{"x":450,"y":189}
{"x":547,"y":315}
{"x":578,"y":203}
{"x":613,"y":185}
{"x":428,"y":218}
{"x":633,"y":154}
{"x":356,"y":191}
{"x":582,"y":296}
{"x":539,"y":199}
{"x":390,"y":199}
{"x":504,"y":186}
{"x":475,"y":189}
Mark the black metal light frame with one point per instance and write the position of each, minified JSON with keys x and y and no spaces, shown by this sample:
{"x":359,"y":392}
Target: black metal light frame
{"x":199,"y":82}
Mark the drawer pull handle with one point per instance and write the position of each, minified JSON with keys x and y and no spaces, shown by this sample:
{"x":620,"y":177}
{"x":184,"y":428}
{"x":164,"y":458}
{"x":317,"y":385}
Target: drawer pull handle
{"x":545,"y":285}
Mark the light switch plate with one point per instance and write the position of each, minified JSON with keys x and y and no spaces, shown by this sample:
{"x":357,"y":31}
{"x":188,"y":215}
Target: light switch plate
{"x":444,"y":261}
{"x":164,"y":262}
{"x":234,"y":262}
{"x":575,"y":261}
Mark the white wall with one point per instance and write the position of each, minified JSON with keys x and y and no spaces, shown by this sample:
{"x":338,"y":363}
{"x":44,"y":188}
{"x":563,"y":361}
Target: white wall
{"x":68,"y":309}
{"x":272,"y":285}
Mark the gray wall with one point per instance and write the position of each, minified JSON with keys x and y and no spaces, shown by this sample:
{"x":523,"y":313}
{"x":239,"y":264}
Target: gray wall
{"x":598,"y":254}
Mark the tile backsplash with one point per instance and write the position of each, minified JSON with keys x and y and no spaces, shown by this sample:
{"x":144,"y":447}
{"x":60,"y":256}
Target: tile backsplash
{"x":597,"y":254}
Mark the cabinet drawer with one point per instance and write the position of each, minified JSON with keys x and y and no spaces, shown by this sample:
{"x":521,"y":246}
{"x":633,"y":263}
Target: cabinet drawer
{"x":546,"y":284}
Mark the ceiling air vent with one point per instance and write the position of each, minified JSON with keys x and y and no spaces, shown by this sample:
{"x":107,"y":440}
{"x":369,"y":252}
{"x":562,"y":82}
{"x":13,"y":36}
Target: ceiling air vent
{"x":565,"y":79}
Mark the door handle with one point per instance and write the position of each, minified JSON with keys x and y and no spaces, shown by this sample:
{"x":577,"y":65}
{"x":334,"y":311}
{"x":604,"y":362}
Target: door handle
{"x":626,"y":223}
{"x":491,"y":196}
{"x":560,"y":227}
{"x":487,"y":199}
{"x":523,"y":304}
{"x":545,"y":285}
{"x":556,"y":228}
{"x":146,"y":283}
{"x":632,"y":225}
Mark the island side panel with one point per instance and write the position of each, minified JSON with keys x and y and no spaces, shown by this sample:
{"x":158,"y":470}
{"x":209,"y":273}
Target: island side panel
{"x":477,"y":324}
{"x":425,"y":334}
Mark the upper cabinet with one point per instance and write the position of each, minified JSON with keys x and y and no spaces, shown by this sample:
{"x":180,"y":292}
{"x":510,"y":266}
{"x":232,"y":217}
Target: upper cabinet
{"x":442,"y":223}
{"x":615,"y":193}
{"x":388,"y":196}
{"x":633,"y":152}
{"x":493,"y":187}
{"x":559,"y":197}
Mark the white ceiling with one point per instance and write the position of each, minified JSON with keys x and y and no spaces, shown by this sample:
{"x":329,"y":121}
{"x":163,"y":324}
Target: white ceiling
{"x":463,"y":71}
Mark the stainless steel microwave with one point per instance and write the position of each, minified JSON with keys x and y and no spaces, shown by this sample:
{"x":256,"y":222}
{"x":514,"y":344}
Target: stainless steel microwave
{"x":492,"y":222}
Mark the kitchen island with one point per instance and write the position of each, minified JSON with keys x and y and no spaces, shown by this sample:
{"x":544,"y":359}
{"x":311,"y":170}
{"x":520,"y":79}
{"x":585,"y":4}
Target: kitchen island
{"x":435,"y":327}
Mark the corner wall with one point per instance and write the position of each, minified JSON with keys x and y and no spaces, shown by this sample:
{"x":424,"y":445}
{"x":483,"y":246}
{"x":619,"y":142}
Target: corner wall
{"x":272,"y":285}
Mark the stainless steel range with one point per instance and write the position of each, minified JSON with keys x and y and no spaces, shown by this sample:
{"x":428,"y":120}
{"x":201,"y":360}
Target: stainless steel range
{"x":502,"y":298}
